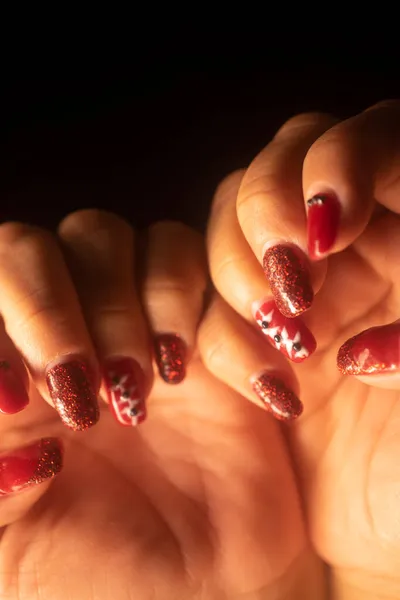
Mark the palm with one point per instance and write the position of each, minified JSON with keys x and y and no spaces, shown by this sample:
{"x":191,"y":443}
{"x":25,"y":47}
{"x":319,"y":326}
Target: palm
{"x":348,"y":444}
{"x":167,"y":510}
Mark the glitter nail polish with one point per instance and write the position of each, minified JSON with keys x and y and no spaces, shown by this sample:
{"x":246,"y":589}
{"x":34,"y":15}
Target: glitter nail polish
{"x":170,"y":354}
{"x":290,"y":336}
{"x":13,"y":395}
{"x":72,"y":391}
{"x":124,"y":381}
{"x":373,"y":351}
{"x":277,"y":397}
{"x":323,"y":217}
{"x":288,"y":274}
{"x":31,"y":465}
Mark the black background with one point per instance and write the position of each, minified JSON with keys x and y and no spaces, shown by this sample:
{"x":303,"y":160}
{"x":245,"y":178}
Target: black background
{"x":151,"y":138}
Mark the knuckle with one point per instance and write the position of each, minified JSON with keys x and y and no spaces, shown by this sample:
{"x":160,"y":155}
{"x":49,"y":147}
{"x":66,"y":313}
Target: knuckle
{"x":385,"y":104}
{"x":90,"y":221}
{"x":304,"y":121}
{"x":173,"y":231}
{"x":24,"y":240}
{"x":228,"y":188}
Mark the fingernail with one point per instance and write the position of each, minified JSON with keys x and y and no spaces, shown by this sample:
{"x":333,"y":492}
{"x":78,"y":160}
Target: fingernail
{"x":72,"y":391}
{"x":124,"y":380}
{"x":374,"y":351}
{"x":290,"y":336}
{"x":30,"y":465}
{"x":277,"y":397}
{"x":323,"y":218}
{"x":13,"y":395}
{"x":170,"y":353}
{"x":289,"y":278}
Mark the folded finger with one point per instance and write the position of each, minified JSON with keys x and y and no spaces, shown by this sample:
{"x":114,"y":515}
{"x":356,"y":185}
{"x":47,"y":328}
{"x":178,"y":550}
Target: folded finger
{"x":100,"y":252}
{"x":173,"y":295}
{"x":270,"y":210}
{"x":234,"y":353}
{"x":43,"y":318}
{"x":349,"y":168}
{"x":238,"y":277}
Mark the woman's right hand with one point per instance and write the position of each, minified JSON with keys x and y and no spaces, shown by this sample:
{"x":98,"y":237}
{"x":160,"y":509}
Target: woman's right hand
{"x":318,"y":211}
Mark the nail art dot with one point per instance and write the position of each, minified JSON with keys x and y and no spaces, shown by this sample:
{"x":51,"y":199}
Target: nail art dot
{"x":277,"y":338}
{"x":133,"y":412}
{"x":265,"y":324}
{"x":125,"y":394}
{"x":296,"y":346}
{"x":316,"y":200}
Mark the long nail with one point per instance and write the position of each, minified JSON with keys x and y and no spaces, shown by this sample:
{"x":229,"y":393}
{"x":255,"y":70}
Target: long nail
{"x":374,"y":351}
{"x":277,"y":397}
{"x":72,"y":391}
{"x":323,"y":217}
{"x":289,"y":278}
{"x":13,"y":395}
{"x":171,"y":353}
{"x":30,"y":465}
{"x":290,"y":336}
{"x":124,"y":380}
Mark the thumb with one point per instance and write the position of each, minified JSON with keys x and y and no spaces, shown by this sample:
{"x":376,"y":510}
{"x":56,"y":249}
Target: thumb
{"x":25,"y":473}
{"x":373,"y":356}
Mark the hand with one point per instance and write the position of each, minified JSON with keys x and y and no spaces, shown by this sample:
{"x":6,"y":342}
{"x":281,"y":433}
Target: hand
{"x":345,"y":446}
{"x":176,"y":508}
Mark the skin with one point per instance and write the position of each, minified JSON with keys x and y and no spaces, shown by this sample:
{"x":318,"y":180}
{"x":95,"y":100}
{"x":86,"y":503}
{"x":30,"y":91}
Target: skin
{"x":212,"y":498}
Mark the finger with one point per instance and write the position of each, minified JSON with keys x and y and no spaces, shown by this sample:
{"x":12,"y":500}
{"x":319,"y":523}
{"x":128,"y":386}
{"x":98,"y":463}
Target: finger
{"x":373,"y":356}
{"x":25,"y":474}
{"x":270,"y":209}
{"x":14,"y":382}
{"x":345,"y":171}
{"x":44,"y":320}
{"x":239,"y":279}
{"x":173,"y":294}
{"x":234,"y":353}
{"x":99,"y":248}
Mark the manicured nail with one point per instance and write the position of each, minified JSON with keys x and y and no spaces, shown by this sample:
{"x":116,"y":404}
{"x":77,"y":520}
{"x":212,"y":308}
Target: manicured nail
{"x":30,"y":465}
{"x":72,"y":391}
{"x":374,"y":351}
{"x":170,"y":353}
{"x":290,"y":336}
{"x":289,"y":278}
{"x":323,"y":218}
{"x":124,"y":380}
{"x":13,"y":395}
{"x":277,"y":397}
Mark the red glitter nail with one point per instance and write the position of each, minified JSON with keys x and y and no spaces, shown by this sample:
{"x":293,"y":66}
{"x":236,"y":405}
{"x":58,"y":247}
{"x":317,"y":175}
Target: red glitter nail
{"x":170,"y":353}
{"x":124,"y":380}
{"x":323,"y":219}
{"x":374,"y":351}
{"x":290,"y":336}
{"x":13,"y":395}
{"x":277,"y":397}
{"x":71,"y":389}
{"x":289,"y":278}
{"x":30,"y":465}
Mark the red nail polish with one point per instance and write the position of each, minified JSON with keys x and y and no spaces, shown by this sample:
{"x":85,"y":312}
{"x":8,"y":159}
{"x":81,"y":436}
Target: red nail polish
{"x":374,"y":351}
{"x":30,"y":466}
{"x":124,"y":380}
{"x":170,"y":353}
{"x":289,"y":336}
{"x":323,"y":218}
{"x":277,"y":397}
{"x":13,"y":395}
{"x":288,"y":274}
{"x":72,"y":391}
